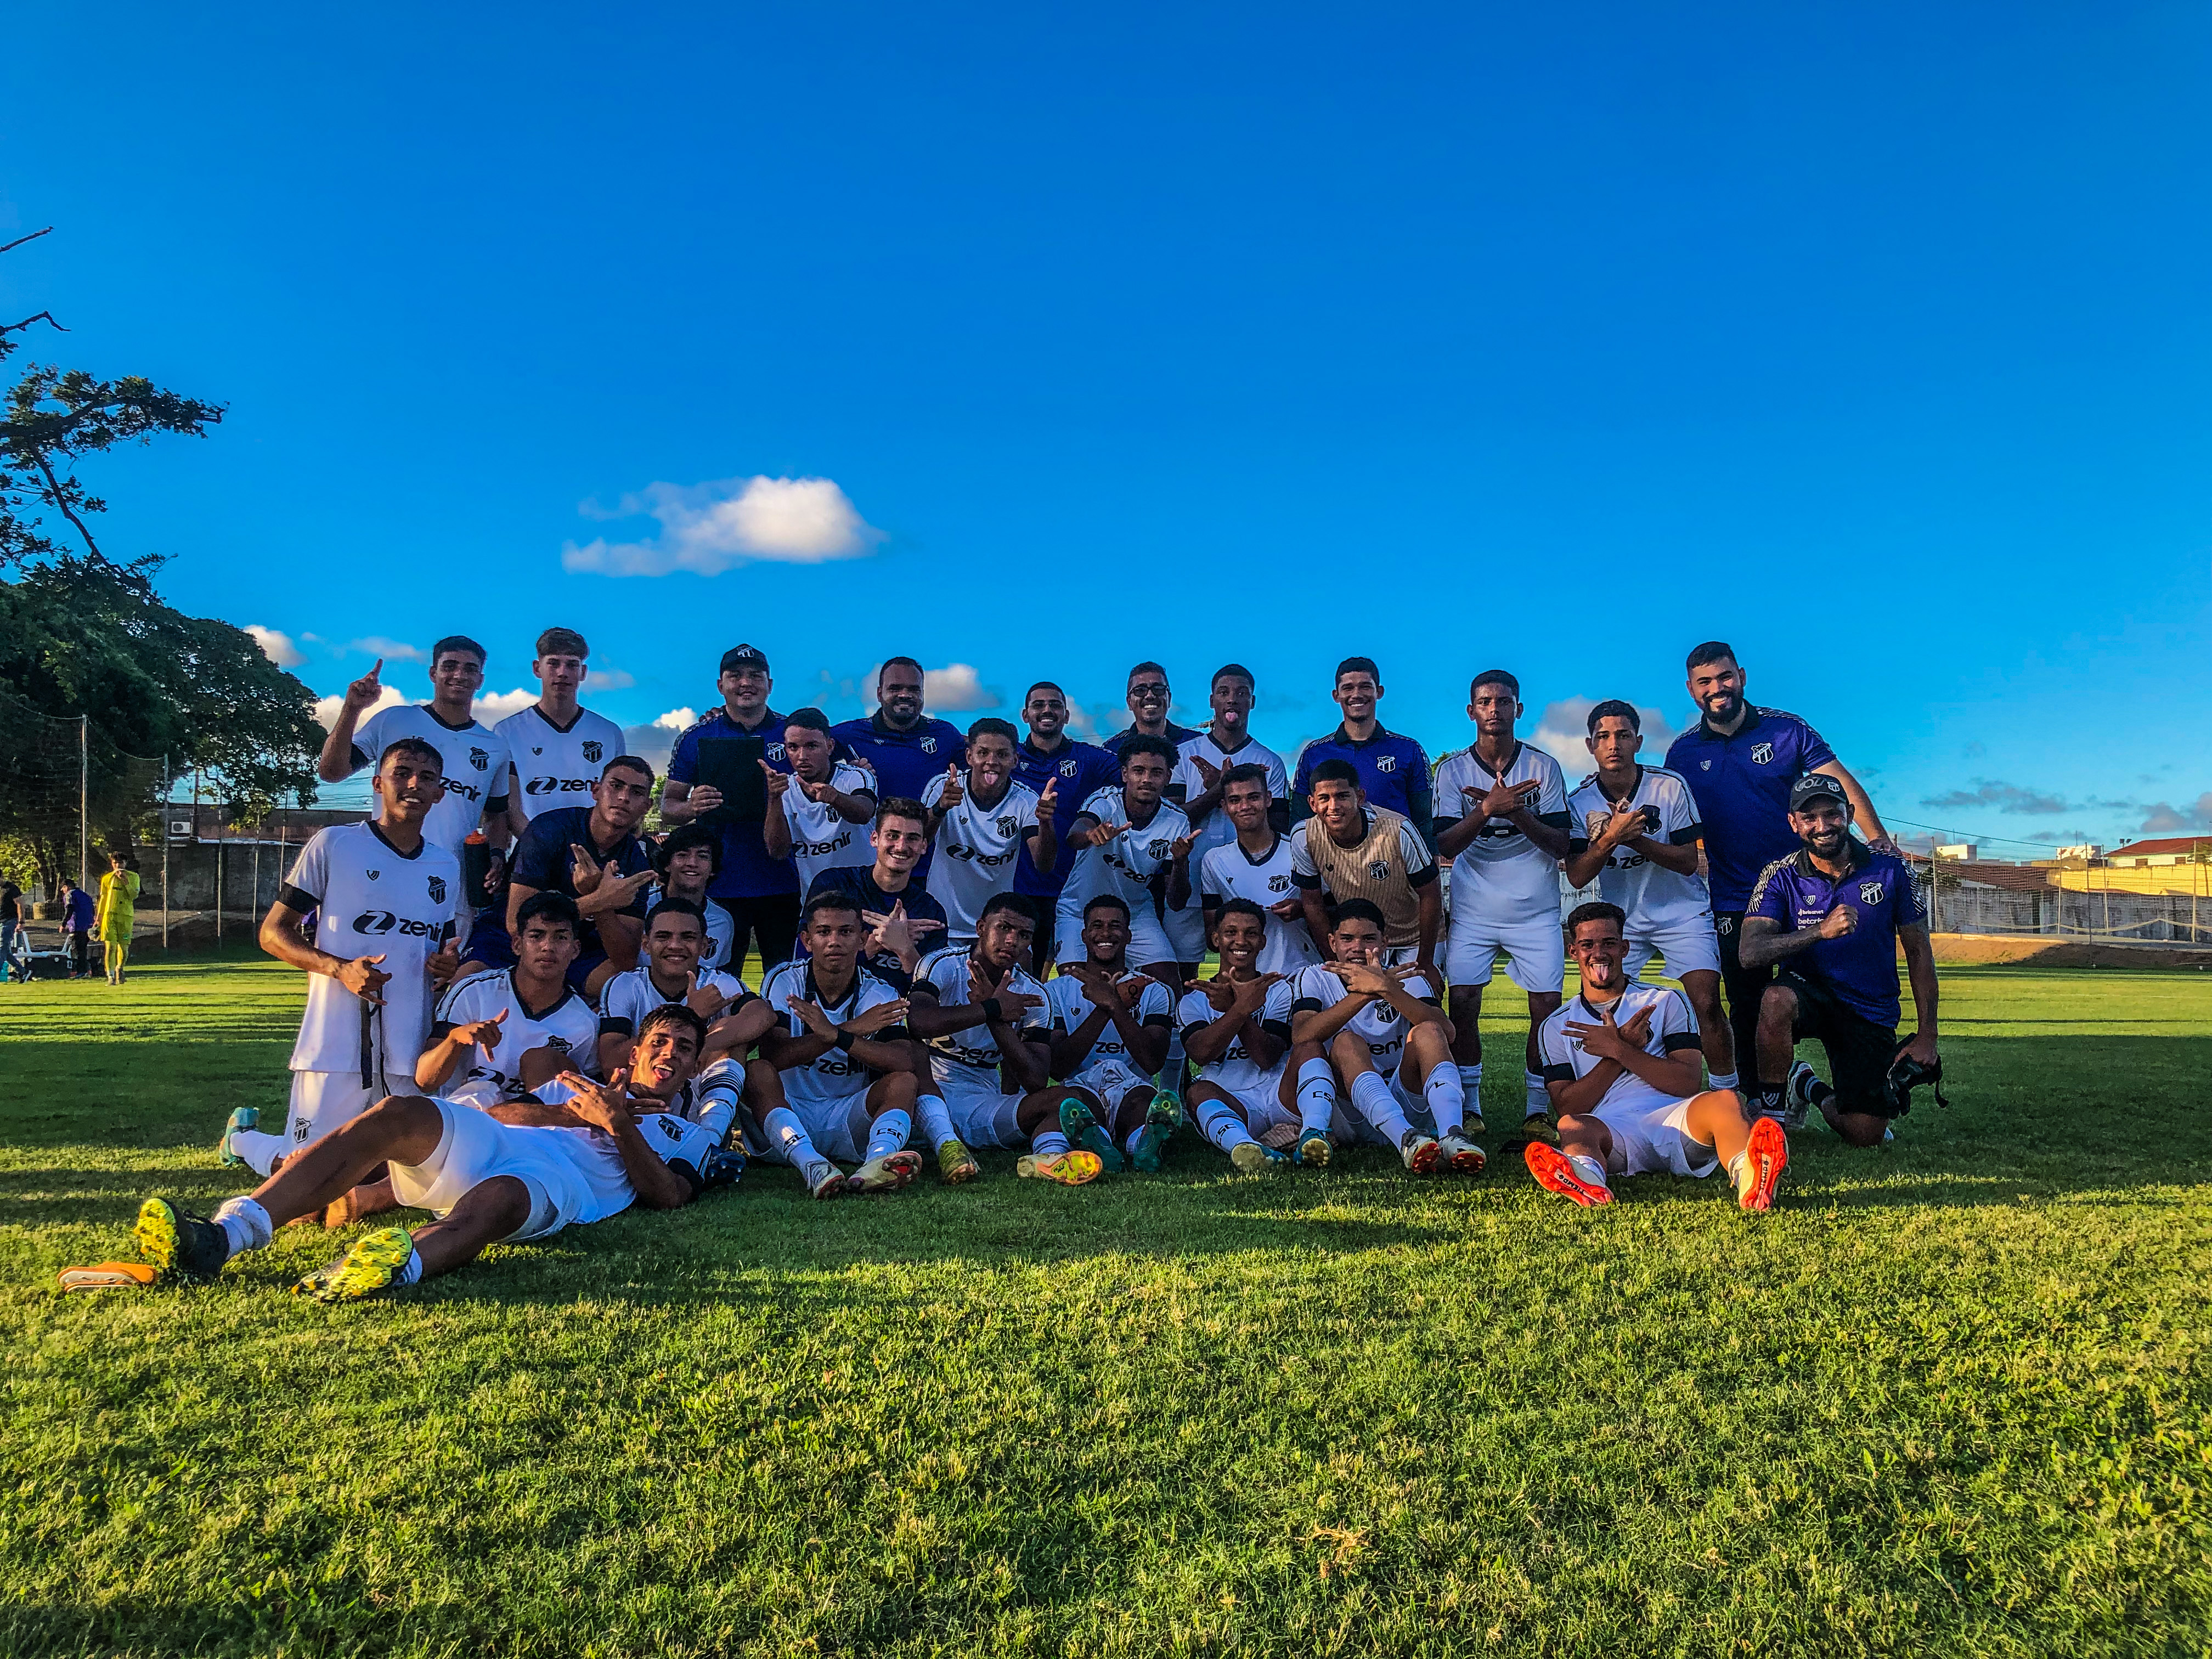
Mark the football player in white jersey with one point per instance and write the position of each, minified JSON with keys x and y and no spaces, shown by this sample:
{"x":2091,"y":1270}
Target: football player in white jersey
{"x":1501,"y":821}
{"x":556,"y":746}
{"x":474,"y":756}
{"x":501,"y":1033}
{"x":1126,"y":841}
{"x":383,"y":895}
{"x":1236,"y":1031}
{"x":833,"y":1083}
{"x":686,"y":862}
{"x":1256,"y":865}
{"x":1203,"y":761}
{"x":815,"y":811}
{"x":675,"y":934}
{"x":1635,"y":829}
{"x":1621,"y":1061}
{"x":990,"y":1041}
{"x":979,"y":822}
{"x":1377,"y":1032}
{"x":579,"y":1153}
{"x":1110,"y":1036}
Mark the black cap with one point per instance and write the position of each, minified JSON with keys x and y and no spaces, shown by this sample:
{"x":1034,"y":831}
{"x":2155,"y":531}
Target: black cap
{"x":744,"y":656}
{"x":1816,"y":786}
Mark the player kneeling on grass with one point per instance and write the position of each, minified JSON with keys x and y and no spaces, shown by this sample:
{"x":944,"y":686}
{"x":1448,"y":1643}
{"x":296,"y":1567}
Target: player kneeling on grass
{"x":1109,"y":1035}
{"x":990,"y":1042}
{"x":834,"y":1084}
{"x":1378,"y":1033}
{"x":1623,"y":1067}
{"x":578,"y":1153}
{"x":1236,"y":1031}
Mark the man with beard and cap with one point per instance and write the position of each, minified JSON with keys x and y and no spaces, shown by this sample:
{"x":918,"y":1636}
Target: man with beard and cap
{"x":1740,"y":762}
{"x":1831,"y":919}
{"x":1076,"y":771}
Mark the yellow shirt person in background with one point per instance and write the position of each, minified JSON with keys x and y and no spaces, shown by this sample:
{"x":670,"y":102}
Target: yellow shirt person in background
{"x":119,"y":910}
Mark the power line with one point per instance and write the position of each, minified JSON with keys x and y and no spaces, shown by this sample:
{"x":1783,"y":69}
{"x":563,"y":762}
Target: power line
{"x":1973,"y":834}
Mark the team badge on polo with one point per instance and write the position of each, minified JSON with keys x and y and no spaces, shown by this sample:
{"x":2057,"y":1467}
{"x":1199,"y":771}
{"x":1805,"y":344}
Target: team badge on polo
{"x":929,"y":745}
{"x":1385,"y":763}
{"x":593,"y":751}
{"x":1761,"y":753}
{"x":480,"y":760}
{"x":1870,"y":892}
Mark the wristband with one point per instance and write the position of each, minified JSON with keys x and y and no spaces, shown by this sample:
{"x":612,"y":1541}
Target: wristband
{"x":845,"y":1041}
{"x":995,"y":1011}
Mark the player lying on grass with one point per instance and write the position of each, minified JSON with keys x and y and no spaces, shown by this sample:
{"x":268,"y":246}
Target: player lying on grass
{"x":674,"y":939}
{"x":503,"y":1032}
{"x":834,"y":1081}
{"x":1626,"y":1075}
{"x":1236,"y":1031}
{"x":582,"y":1153}
{"x":1376,"y":1033}
{"x":990,"y":1041}
{"x":1109,"y":1036}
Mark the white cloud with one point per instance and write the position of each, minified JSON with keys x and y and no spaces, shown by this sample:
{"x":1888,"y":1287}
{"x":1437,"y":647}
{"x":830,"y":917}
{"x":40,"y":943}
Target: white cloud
{"x":1564,"y":734}
{"x":653,"y":743}
{"x":326,"y":708}
{"x":610,"y":679}
{"x":390,"y":650}
{"x":707,"y":528}
{"x":677,"y":719}
{"x":277,"y":647}
{"x":496,"y":706}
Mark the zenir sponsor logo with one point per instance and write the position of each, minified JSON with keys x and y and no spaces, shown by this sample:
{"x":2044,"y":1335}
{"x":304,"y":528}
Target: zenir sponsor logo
{"x":557,"y":786}
{"x":375,"y":922}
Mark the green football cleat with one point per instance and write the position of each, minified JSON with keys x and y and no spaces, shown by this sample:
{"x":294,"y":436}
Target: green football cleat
{"x":955,"y":1163}
{"x":1249,"y":1158}
{"x":1082,"y":1130}
{"x":1162,"y":1119}
{"x":369,"y":1269}
{"x":178,"y":1244}
{"x":1068,"y":1168}
{"x":241,"y":1117}
{"x":1314,"y":1149}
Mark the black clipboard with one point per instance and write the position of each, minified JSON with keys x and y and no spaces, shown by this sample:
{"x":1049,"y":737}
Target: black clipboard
{"x":732,"y":765}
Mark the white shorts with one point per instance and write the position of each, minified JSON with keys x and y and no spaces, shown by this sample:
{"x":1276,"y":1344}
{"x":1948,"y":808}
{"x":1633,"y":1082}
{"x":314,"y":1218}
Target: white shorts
{"x":323,"y":1102}
{"x":1535,"y":951}
{"x":1261,"y":1106}
{"x":1109,"y":1081}
{"x":1185,"y":931}
{"x":477,"y":1147}
{"x":837,"y":1124}
{"x":1689,"y":947}
{"x":988,"y":1120}
{"x":1654,"y":1139}
{"x":1148,"y":939}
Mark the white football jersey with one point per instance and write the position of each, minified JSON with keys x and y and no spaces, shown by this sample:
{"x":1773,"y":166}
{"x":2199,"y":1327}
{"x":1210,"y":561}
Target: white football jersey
{"x":1378,"y":1024}
{"x":695,"y":1123}
{"x":820,"y":839}
{"x":1674,"y":1028}
{"x":570,"y":1026}
{"x":1110,"y":1064}
{"x":476,"y":761}
{"x":1229,"y":872}
{"x":1125,"y":865}
{"x":371,"y":901}
{"x":554,"y":767}
{"x":976,"y":849}
{"x":1652,"y":895}
{"x":1501,"y":873}
{"x":629,"y":998}
{"x":832,"y":1075}
{"x":1215,"y":828}
{"x":967,"y":1062}
{"x":721,"y":930}
{"x":1235,"y":1070}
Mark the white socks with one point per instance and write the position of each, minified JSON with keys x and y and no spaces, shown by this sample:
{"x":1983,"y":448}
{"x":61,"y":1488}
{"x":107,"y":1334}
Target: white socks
{"x":1317,"y":1094}
{"x":245,"y":1224}
{"x":1539,"y":1097}
{"x":1049,"y":1143}
{"x":1720,"y":1079}
{"x":410,"y":1271}
{"x":788,"y":1136}
{"x":936,"y":1118}
{"x":1372,"y":1096}
{"x":1589,"y":1170}
{"x":1442,"y":1088}
{"x":888,"y":1134}
{"x":1470,"y":1090}
{"x":1218,"y":1122}
{"x":260,"y":1150}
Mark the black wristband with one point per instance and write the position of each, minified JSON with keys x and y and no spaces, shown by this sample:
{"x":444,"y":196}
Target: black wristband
{"x":995,"y":1011}
{"x":845,"y":1041}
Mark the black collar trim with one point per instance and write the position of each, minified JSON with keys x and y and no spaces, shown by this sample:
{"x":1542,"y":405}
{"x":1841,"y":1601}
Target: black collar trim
{"x":374,"y":830}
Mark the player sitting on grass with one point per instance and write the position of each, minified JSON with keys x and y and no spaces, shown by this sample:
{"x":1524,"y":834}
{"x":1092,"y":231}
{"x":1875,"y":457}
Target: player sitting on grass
{"x":834,"y":1084}
{"x":990,"y":1039}
{"x":583,"y":1151}
{"x":1377,"y":1032}
{"x":1109,"y":1035}
{"x":1236,"y":1031}
{"x":503,"y":1032}
{"x":1627,"y":1077}
{"x":674,"y":935}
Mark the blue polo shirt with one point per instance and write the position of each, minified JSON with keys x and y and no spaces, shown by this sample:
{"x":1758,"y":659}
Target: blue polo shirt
{"x":1860,"y":968}
{"x":747,"y":871}
{"x":1081,"y":769}
{"x":1392,"y":769}
{"x":1741,"y":786}
{"x":1173,"y":733}
{"x":903,"y":761}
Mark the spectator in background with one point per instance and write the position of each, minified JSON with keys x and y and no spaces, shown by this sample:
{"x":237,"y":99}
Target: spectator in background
{"x":77,"y":927}
{"x":11,"y":915}
{"x":117,"y":913}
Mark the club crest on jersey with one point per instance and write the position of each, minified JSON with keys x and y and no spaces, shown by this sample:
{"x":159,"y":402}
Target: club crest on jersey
{"x":1008,"y":826}
{"x":1385,"y":763}
{"x":480,"y":760}
{"x":1378,"y":871}
{"x":537,"y":748}
{"x":437,"y":889}
{"x":1870,"y":892}
{"x":1761,"y":753}
{"x":374,"y":874}
{"x":929,"y":745}
{"x":1723,"y":924}
{"x":1067,"y":768}
{"x":1156,"y":849}
{"x":1278,"y":883}
{"x":1705,"y":765}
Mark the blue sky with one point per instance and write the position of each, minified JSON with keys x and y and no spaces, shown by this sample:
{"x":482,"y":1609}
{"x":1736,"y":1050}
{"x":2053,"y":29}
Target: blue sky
{"x":1876,"y":339}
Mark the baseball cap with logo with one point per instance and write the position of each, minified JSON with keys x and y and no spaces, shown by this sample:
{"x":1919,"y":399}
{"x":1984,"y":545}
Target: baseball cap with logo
{"x":739,"y":657}
{"x":1816,"y":785}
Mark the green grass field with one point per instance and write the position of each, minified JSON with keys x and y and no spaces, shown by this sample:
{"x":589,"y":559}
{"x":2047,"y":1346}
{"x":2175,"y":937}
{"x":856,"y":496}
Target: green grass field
{"x":1950,"y":1398}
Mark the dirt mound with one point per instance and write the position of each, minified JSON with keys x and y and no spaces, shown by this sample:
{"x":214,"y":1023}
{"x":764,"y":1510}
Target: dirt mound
{"x":1996,"y":949}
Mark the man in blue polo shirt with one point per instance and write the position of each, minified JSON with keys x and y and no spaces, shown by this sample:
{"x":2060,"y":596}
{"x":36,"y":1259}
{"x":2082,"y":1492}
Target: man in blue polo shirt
{"x":903,"y":746}
{"x":1830,"y":918}
{"x":761,"y":893}
{"x":1149,"y":700}
{"x":1394,"y":769}
{"x":1740,"y":762}
{"x":1048,"y":754}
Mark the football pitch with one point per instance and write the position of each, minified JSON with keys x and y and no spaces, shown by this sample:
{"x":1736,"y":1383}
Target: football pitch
{"x":1951,"y":1398}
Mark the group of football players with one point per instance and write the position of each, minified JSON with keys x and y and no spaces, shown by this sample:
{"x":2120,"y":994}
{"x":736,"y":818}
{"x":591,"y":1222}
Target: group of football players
{"x":526,"y":1012}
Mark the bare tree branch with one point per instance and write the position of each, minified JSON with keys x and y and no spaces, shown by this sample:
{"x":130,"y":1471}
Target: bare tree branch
{"x":46,"y":317}
{"x":59,"y":497}
{"x":20,"y":240}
